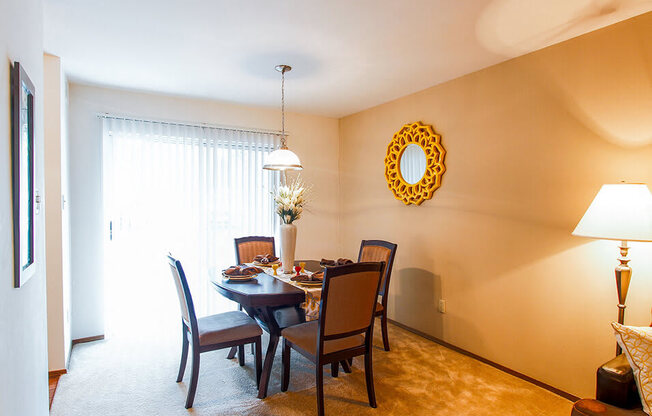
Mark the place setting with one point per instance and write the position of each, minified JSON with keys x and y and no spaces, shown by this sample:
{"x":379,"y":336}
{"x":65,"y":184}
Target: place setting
{"x":308,"y":279}
{"x":241,"y":273}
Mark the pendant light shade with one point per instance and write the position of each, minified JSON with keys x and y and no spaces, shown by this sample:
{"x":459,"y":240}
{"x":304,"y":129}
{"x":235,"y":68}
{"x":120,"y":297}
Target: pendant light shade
{"x":282,"y":158}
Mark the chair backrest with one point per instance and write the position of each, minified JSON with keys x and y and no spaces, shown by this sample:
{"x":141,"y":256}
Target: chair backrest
{"x":379,"y":250}
{"x":348,"y":300}
{"x":183,"y":292}
{"x":246,"y":248}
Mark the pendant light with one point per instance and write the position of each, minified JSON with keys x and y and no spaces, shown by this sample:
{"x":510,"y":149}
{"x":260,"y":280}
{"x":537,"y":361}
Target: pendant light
{"x":282,"y":158}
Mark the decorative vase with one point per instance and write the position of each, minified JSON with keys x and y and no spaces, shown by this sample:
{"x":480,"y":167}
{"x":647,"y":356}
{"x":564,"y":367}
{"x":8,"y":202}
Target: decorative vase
{"x":288,"y":244}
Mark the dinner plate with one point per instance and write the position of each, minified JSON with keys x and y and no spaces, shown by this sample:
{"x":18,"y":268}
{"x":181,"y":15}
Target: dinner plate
{"x":265,"y":265}
{"x":310,"y":284}
{"x":239,"y":278}
{"x":247,"y":279}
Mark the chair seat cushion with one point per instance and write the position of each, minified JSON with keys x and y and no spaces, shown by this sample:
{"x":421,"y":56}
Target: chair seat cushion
{"x":590,"y":407}
{"x":304,"y":336}
{"x":226,"y":327}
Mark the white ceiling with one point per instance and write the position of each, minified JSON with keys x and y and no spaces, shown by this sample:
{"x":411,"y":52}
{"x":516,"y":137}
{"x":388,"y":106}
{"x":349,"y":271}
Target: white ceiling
{"x":347,"y":55}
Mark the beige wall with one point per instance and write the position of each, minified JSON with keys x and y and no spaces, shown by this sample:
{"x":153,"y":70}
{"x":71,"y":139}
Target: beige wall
{"x":56,"y":213}
{"x":23,"y":322}
{"x":530,"y":141}
{"x":314,"y":139}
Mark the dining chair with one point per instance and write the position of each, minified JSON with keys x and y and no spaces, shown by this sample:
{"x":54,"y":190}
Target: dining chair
{"x":246,"y":248}
{"x":214,"y":332}
{"x":346,"y":312}
{"x":379,"y":250}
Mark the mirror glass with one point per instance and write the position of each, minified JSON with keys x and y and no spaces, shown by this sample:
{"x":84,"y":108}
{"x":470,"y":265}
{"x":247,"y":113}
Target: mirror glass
{"x":413,"y":163}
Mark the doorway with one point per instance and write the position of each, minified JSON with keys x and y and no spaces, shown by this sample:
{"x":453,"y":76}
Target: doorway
{"x":180,"y":189}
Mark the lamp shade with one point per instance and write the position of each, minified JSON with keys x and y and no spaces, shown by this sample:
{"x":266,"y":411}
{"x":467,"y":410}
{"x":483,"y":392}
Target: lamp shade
{"x":282,"y":159}
{"x":619,"y":212}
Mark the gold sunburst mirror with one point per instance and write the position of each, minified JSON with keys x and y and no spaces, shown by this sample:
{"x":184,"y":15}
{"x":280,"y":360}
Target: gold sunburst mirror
{"x":414,"y":163}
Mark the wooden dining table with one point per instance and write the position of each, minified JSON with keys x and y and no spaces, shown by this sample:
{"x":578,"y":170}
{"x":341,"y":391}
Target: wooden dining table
{"x":273,"y":303}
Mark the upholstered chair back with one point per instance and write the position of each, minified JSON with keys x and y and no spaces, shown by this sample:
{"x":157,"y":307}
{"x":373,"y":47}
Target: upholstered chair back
{"x":183,"y":292}
{"x":246,"y":248}
{"x":379,"y":250}
{"x":349,"y":298}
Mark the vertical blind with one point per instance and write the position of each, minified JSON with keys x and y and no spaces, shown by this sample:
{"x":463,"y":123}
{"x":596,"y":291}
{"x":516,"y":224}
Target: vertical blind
{"x":188,"y":190}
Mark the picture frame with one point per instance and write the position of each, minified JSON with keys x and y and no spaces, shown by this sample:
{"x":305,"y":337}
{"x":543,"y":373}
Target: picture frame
{"x":23,"y":175}
{"x":415,"y":190}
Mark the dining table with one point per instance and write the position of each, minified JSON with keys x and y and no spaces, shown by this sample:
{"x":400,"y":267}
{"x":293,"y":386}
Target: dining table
{"x":275,"y":302}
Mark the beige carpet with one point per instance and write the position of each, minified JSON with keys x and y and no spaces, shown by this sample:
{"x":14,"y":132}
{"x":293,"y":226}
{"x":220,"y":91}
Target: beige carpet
{"x":135,"y":375}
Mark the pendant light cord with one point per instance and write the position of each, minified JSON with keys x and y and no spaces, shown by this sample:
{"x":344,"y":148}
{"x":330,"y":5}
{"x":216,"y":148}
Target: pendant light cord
{"x":283,"y":141}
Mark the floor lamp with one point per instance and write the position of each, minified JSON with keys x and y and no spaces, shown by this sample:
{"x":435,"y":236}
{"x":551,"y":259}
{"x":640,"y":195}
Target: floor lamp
{"x":621,"y":212}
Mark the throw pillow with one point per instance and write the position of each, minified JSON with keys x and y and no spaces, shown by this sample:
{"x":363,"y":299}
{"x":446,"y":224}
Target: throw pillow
{"x":636,"y":343}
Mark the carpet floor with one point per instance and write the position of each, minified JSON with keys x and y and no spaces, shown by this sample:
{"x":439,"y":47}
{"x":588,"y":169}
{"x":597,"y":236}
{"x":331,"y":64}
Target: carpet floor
{"x":135,"y":375}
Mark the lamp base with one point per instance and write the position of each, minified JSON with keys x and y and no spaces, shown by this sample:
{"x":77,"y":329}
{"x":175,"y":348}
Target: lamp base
{"x":623,"y":278}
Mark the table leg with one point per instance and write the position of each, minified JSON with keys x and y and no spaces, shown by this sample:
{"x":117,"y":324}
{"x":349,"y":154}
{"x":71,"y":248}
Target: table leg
{"x":234,"y":350}
{"x":232,"y":353}
{"x":345,"y":366}
{"x":252,"y":315}
{"x":267,"y":366}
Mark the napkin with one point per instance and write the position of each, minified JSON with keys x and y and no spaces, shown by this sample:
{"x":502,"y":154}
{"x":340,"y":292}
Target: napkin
{"x":317,"y":277}
{"x":242,"y":271}
{"x":339,"y":262}
{"x":265,"y":258}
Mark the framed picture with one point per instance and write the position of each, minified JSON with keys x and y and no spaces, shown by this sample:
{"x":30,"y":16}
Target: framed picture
{"x":24,"y":198}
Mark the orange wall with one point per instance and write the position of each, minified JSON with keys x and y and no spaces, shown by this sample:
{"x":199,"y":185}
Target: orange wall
{"x":530,"y":141}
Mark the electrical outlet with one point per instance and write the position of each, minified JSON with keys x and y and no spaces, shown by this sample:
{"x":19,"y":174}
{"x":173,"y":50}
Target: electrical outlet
{"x":442,"y":306}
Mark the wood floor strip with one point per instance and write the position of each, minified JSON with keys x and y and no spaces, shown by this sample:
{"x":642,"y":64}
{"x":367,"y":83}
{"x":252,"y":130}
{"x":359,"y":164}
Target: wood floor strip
{"x":53,"y":379}
{"x":54,"y":382}
{"x":57,"y":373}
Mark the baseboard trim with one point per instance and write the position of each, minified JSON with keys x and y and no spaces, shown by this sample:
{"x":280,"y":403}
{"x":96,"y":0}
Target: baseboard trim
{"x":57,"y":373}
{"x":502,"y":368}
{"x":87,"y":339}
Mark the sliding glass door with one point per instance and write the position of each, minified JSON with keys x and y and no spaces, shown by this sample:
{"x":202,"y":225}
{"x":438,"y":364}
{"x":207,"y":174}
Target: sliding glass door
{"x":185,"y":190}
